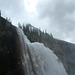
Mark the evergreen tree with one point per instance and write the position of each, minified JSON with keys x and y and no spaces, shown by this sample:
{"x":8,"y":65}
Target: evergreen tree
{"x":0,"y":12}
{"x":35,"y":34}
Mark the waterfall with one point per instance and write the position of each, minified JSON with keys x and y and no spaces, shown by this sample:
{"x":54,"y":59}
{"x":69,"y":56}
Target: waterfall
{"x":38,"y":59}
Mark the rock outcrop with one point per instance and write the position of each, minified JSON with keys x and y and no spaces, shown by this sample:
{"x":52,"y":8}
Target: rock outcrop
{"x":10,"y":52}
{"x":65,"y":52}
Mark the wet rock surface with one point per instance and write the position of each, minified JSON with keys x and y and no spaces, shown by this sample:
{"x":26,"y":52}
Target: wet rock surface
{"x":10,"y":52}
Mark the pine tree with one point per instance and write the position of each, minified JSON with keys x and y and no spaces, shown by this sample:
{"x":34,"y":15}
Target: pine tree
{"x":0,"y":12}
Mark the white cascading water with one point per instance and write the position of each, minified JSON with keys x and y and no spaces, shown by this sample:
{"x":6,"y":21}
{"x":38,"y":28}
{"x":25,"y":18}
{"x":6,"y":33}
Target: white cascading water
{"x":39,"y":60}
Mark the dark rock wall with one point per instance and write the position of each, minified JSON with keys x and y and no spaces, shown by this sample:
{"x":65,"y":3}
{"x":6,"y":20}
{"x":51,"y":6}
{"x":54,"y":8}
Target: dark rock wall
{"x":10,"y":52}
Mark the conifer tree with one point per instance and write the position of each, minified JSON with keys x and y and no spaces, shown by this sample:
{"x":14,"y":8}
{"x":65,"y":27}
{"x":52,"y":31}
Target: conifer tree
{"x":0,"y":12}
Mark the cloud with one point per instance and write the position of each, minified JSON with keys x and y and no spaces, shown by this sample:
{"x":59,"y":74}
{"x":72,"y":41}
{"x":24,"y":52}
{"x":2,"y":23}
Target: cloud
{"x":61,"y":14}
{"x":11,"y":6}
{"x":56,"y":16}
{"x":13,"y":9}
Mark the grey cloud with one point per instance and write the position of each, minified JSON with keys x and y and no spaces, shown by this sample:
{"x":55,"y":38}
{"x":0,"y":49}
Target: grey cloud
{"x":51,"y":12}
{"x":13,"y":9}
{"x":56,"y":10}
{"x":12,"y":5}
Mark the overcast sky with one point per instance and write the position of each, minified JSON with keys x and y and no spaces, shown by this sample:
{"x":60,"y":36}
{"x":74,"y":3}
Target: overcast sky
{"x":56,"y":16}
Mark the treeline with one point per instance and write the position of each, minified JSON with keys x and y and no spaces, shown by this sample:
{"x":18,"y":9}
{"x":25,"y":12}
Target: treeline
{"x":35,"y":34}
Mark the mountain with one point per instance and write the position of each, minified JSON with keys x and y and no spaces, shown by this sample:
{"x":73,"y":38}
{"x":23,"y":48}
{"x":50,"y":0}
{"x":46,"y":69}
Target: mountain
{"x":18,"y":56}
{"x":64,"y":50}
{"x":16,"y":52}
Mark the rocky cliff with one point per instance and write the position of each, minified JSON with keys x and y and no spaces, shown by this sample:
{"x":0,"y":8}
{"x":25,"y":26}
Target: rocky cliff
{"x":66,"y":53}
{"x":10,"y":52}
{"x":11,"y":56}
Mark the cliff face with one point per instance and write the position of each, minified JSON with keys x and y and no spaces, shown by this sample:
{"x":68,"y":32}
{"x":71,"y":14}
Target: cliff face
{"x":11,"y":56}
{"x":66,"y":53}
{"x":10,"y":52}
{"x":16,"y":56}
